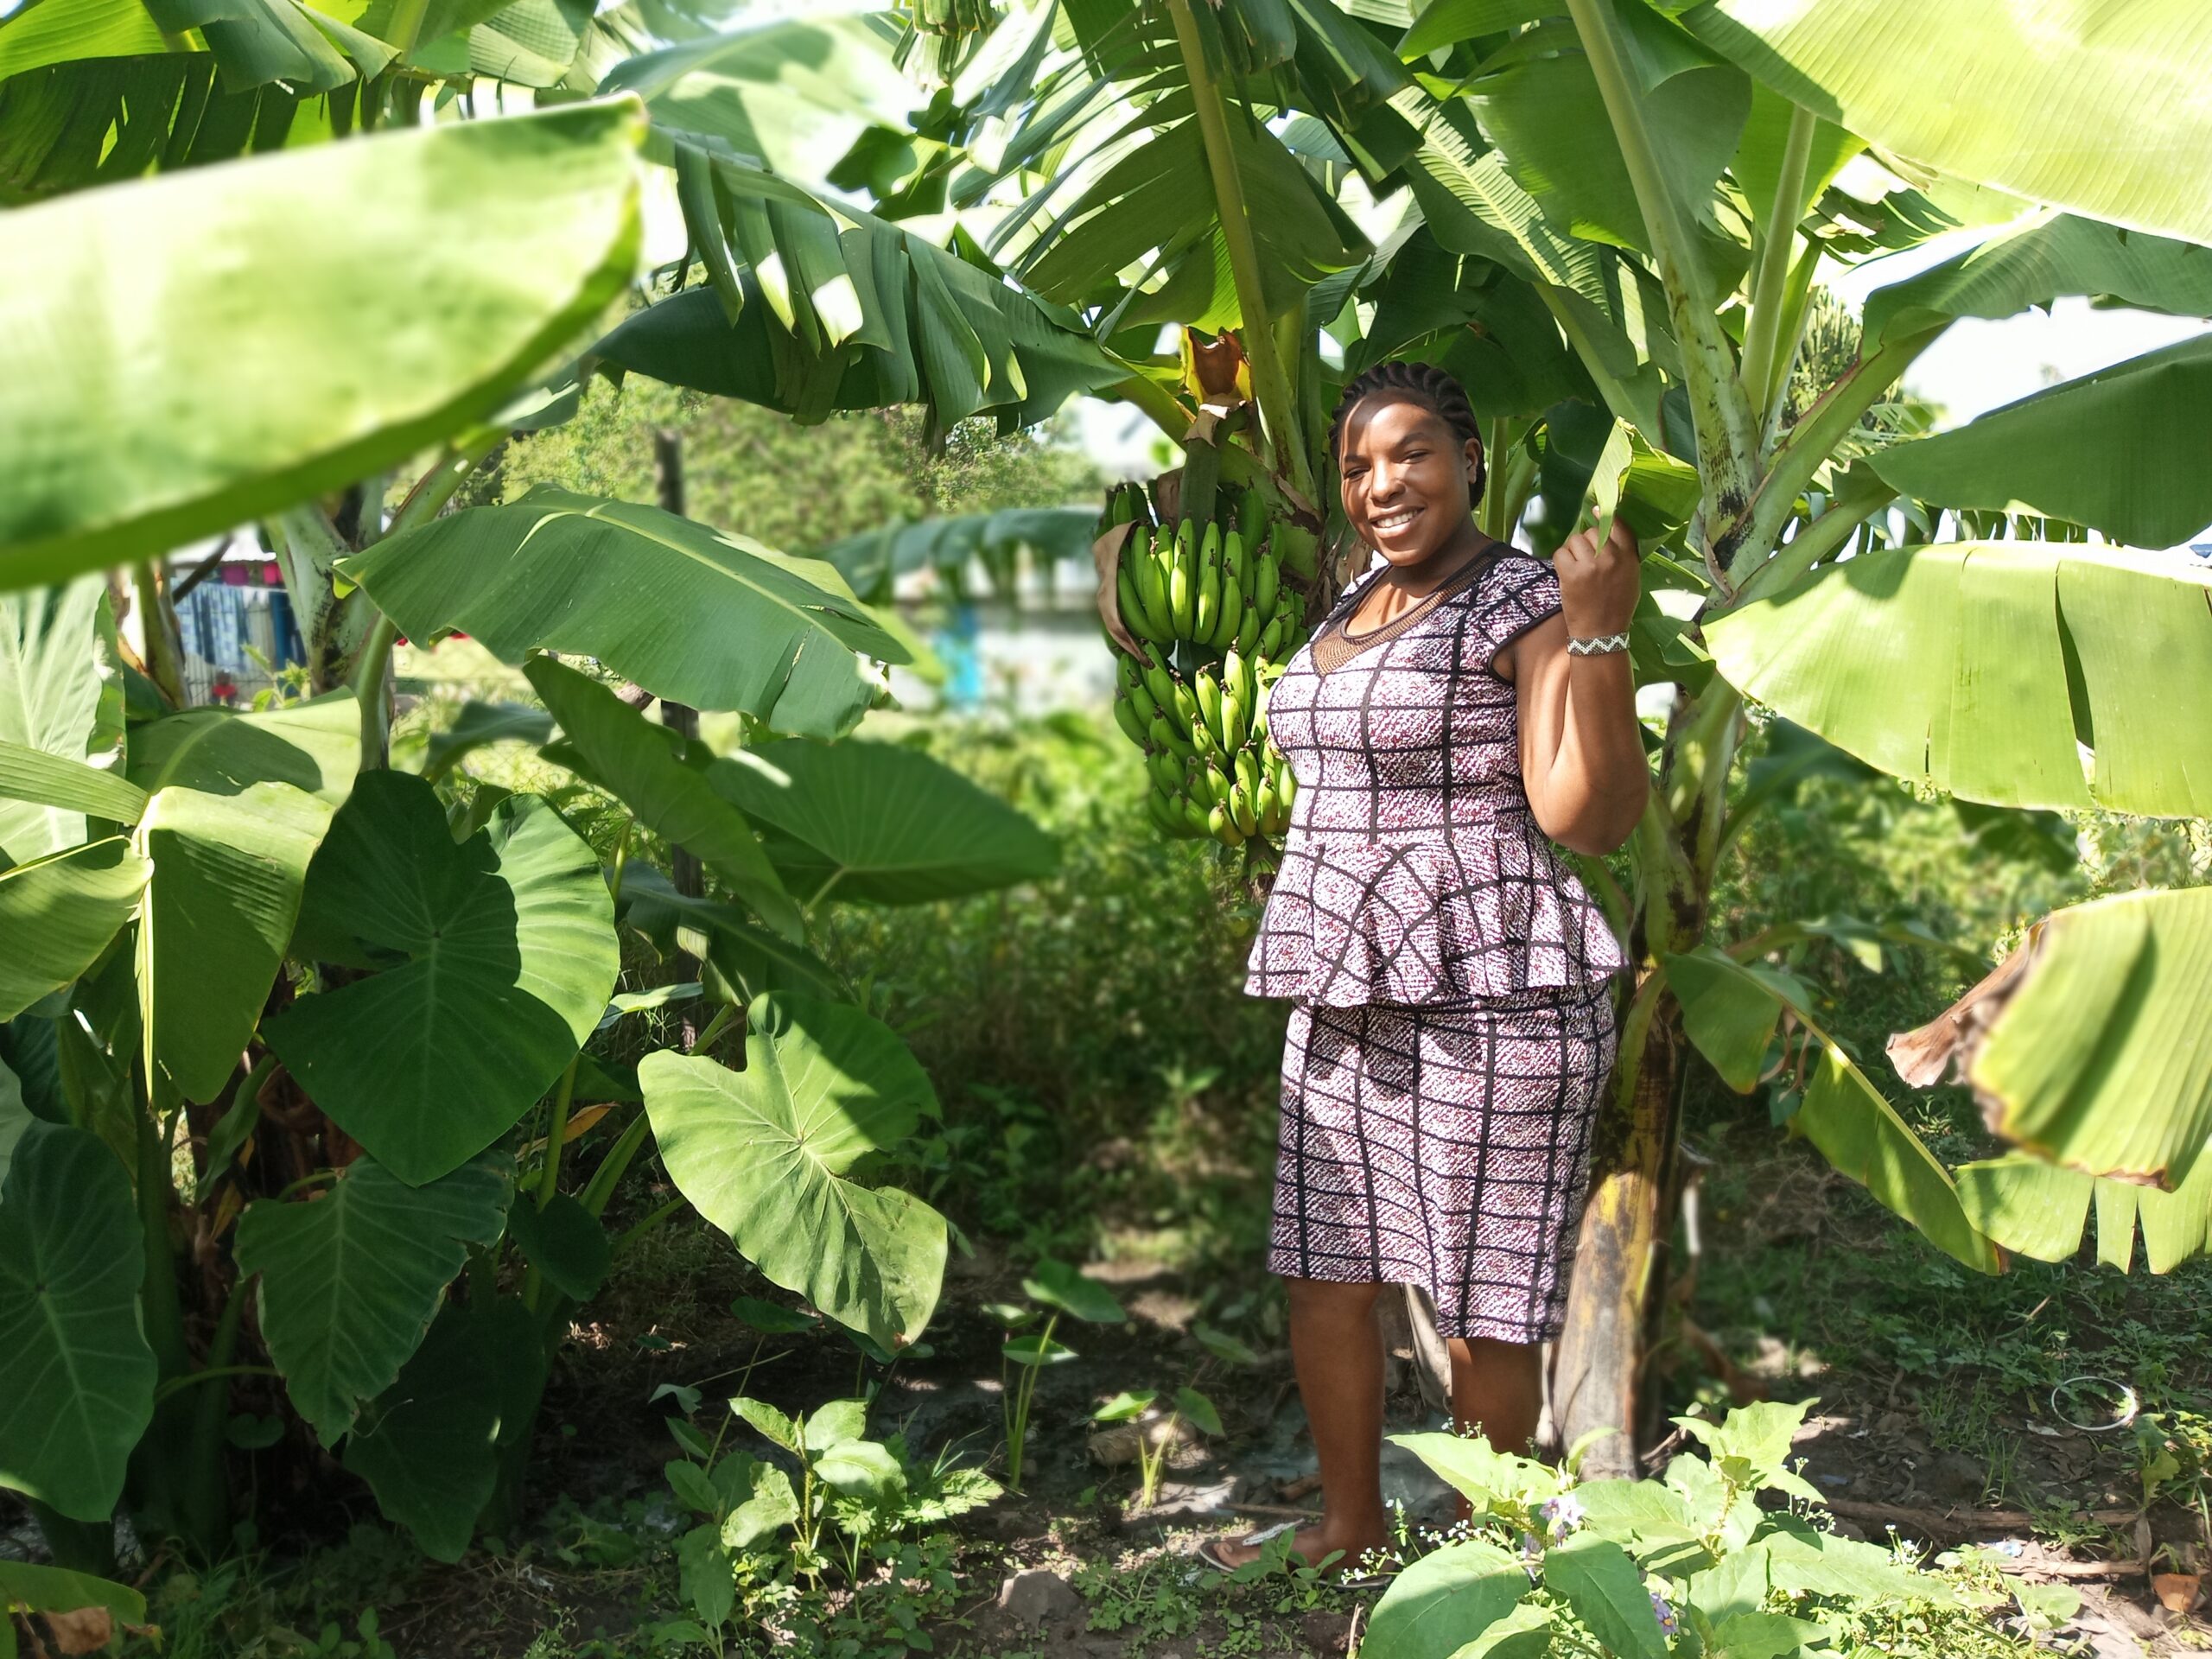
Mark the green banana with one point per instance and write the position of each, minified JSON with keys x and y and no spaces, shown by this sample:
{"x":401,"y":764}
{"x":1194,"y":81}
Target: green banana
{"x":1163,"y":686}
{"x":1185,"y":704}
{"x":1167,"y":771}
{"x":1209,"y":700}
{"x":1162,"y":735}
{"x":1236,"y":712}
{"x":1194,"y":817}
{"x":1141,"y":699}
{"x":1240,"y":812}
{"x":1144,"y":575}
{"x":1267,"y":585}
{"x":1235,"y":569}
{"x":1183,"y":580}
{"x":1232,"y":614}
{"x":1166,"y":816}
{"x":1131,"y":607}
{"x":1251,"y":515}
{"x":1248,"y":631}
{"x":1247,"y":773}
{"x":1265,"y":804}
{"x":1125,"y":716}
{"x":1202,"y":738}
{"x":1268,"y":647}
{"x":1205,"y":613}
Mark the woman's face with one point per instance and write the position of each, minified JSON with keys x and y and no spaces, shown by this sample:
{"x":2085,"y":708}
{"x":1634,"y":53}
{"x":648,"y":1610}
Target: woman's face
{"x":1408,"y":482}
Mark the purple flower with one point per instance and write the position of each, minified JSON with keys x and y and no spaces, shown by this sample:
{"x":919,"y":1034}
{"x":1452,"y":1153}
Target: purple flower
{"x":1562,"y":1515}
{"x":1664,"y":1614}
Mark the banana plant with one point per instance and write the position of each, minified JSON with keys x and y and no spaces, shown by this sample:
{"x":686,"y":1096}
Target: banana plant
{"x":1595,"y":211}
{"x":1602,"y":211}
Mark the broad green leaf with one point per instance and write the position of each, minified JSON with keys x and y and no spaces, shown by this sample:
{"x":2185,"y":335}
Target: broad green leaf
{"x":884,"y":823}
{"x":2102,"y":1059}
{"x":2118,"y":450}
{"x":611,"y":744}
{"x":350,"y":1281}
{"x":1729,"y":1008}
{"x":1447,"y":23}
{"x":1199,"y":1410}
{"x":1125,"y":1405}
{"x":1950,"y":665}
{"x":1058,"y":1285}
{"x":58,"y":912}
{"x":57,"y":1590}
{"x":313,"y":745}
{"x":1637,"y":1515}
{"x":780,"y":1429}
{"x":227,"y":874}
{"x":1757,"y":162}
{"x":62,"y":31}
{"x":862,"y":1469}
{"x":693,"y":614}
{"x":76,"y":1376}
{"x":495,"y":959}
{"x":766,"y":1156}
{"x":1479,"y":1474}
{"x":1801,"y":1558}
{"x":565,"y":1242}
{"x":1763,"y":1636}
{"x":59,"y":696}
{"x":16,"y":1116}
{"x":1601,"y":1582}
{"x":2041,"y":1211}
{"x":794,"y":92}
{"x":429,"y":1446}
{"x":471,"y":250}
{"x":1524,"y":1633}
{"x":2037,"y":261}
{"x":1849,"y":1120}
{"x":766,"y":1506}
{"x":835,"y":1424}
{"x":1737,"y":1583}
{"x":2087,"y":106}
{"x":749,"y":958}
{"x":477,"y":724}
{"x":1473,"y":205}
{"x":1445,"y":1600}
{"x":53,"y":780}
{"x":1859,"y":1132}
{"x":1551,"y":129}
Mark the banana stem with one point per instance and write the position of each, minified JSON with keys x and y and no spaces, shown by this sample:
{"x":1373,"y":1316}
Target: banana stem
{"x":1763,"y":328}
{"x":1269,"y":382}
{"x":1727,"y":436}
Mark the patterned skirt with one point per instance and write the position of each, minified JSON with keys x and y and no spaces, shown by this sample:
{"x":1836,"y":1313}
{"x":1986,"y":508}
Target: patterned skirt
{"x":1444,"y":1144}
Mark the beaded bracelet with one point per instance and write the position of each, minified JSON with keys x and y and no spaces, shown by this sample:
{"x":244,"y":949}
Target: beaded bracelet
{"x":1598,"y":646}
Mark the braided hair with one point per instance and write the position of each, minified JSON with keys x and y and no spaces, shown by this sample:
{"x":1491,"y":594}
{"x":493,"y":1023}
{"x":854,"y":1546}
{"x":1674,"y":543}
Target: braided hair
{"x":1424,"y":382}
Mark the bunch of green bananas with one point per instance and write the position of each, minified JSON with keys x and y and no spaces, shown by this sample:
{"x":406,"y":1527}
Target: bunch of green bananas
{"x":1217,"y":621}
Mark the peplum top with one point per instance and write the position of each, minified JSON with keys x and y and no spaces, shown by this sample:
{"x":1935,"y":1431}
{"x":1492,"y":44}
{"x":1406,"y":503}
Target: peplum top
{"x":1412,"y":870}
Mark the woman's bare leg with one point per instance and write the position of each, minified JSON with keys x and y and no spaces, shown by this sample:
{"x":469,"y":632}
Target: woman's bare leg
{"x":1339,"y":1356}
{"x":1499,"y":1387}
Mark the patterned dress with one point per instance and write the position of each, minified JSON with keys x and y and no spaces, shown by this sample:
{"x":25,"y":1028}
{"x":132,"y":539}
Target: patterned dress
{"x":1453,"y":1025}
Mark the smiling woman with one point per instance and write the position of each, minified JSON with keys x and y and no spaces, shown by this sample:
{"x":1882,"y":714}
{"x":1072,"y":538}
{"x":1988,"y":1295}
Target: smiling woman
{"x":1464,"y":705}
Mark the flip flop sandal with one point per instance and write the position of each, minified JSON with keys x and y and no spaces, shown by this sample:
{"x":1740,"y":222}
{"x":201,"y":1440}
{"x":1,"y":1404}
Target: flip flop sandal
{"x":1208,"y":1553}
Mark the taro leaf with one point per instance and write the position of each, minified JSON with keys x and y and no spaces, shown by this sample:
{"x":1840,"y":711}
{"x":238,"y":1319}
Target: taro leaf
{"x":57,"y":1590}
{"x":1058,"y":1285}
{"x":277,"y":377}
{"x":565,"y":1242}
{"x":15,"y":1116}
{"x":1445,"y":1600}
{"x":76,"y":1376}
{"x":477,"y":724}
{"x":769,"y":1319}
{"x":313,"y":745}
{"x":350,"y":1282}
{"x":767,"y":1155}
{"x":58,"y":914}
{"x":228,"y":871}
{"x":1199,"y":1410}
{"x":496,"y":958}
{"x":429,"y":1446}
{"x":882,"y":823}
{"x":688,"y":612}
{"x":614,"y":746}
{"x":1601,"y":1582}
{"x":59,"y":696}
{"x":749,"y":958}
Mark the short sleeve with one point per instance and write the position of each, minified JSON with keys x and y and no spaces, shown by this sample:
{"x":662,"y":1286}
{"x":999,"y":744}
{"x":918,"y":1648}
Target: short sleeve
{"x":1519,"y":592}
